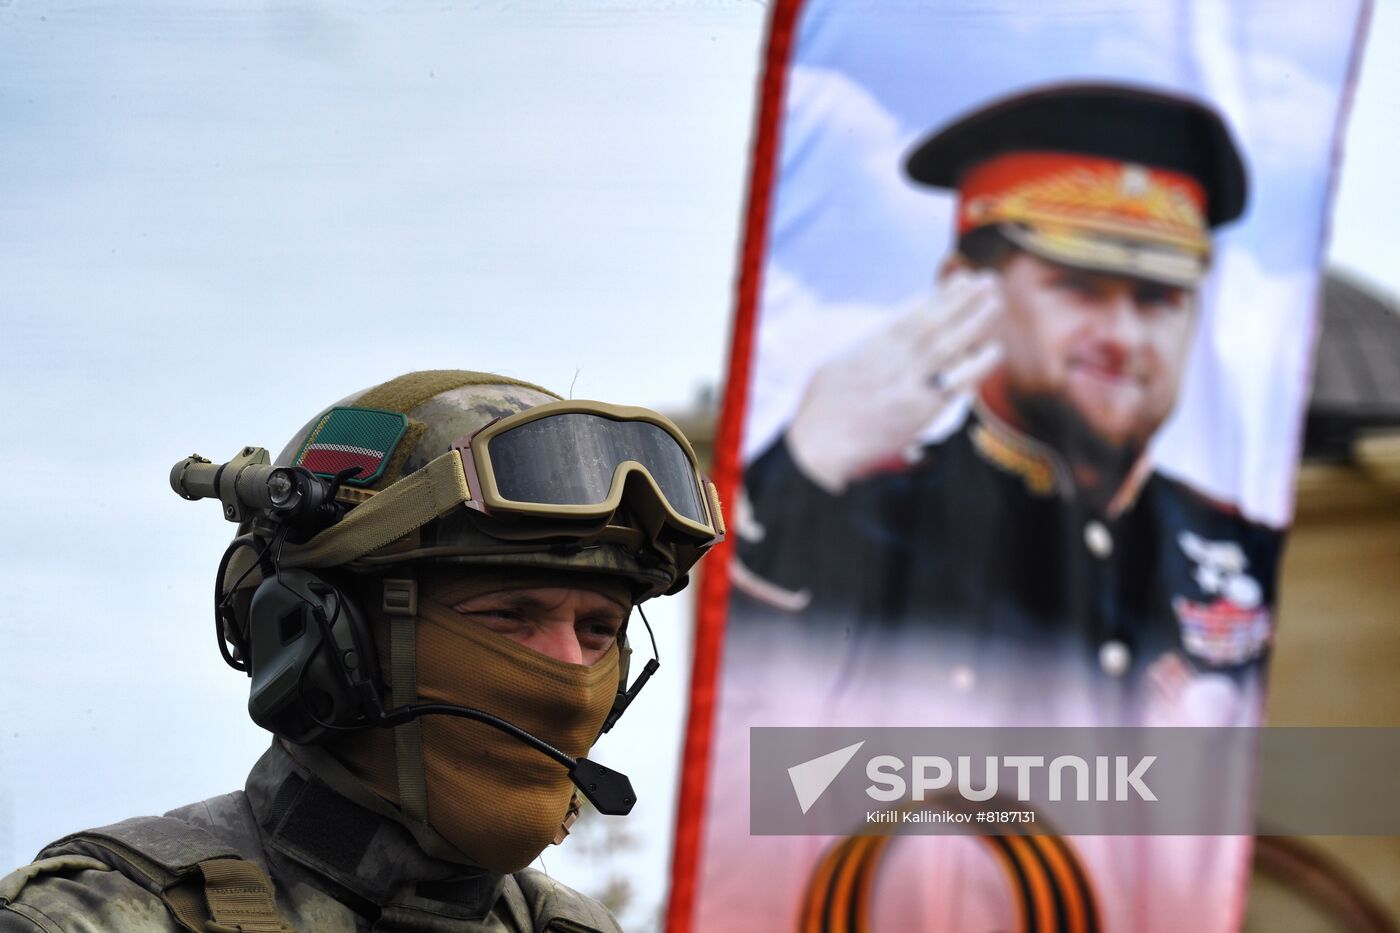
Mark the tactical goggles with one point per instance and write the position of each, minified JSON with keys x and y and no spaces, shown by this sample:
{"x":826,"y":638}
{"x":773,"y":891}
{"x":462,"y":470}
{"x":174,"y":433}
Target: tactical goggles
{"x":583,"y":460}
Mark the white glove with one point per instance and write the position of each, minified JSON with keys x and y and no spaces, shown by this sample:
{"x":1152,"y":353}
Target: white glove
{"x":870,"y":404}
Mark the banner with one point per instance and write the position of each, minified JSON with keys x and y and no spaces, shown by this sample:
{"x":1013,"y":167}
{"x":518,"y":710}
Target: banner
{"x":1022,"y":346}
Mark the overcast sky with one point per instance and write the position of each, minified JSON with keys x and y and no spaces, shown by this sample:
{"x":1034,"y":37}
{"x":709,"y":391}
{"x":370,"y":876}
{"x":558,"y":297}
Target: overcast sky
{"x":214,"y":222}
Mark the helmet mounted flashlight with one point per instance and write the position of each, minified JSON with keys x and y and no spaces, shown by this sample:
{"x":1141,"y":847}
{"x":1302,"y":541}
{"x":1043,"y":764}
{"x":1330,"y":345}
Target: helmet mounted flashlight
{"x":249,"y":485}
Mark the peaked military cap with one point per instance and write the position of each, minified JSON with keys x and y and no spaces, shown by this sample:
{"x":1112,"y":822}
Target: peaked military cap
{"x":1097,"y":175}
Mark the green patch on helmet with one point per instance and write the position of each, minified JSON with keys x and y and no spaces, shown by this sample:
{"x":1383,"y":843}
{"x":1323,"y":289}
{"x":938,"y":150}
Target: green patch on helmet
{"x":346,"y":438}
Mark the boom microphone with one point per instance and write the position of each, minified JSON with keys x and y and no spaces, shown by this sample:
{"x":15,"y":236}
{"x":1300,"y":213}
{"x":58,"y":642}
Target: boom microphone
{"x":609,"y":791}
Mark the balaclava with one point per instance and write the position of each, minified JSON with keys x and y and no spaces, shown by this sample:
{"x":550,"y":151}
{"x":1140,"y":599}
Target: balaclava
{"x":495,"y":799}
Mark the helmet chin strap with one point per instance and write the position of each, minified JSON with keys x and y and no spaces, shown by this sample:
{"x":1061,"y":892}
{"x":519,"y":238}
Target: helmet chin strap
{"x":401,"y":608}
{"x":627,"y":694}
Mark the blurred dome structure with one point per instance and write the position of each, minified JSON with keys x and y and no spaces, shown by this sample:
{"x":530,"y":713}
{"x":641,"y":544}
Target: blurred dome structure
{"x":1356,"y":376}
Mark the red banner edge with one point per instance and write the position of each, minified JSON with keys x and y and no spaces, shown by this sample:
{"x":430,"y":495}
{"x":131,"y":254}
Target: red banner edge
{"x":713,"y":603}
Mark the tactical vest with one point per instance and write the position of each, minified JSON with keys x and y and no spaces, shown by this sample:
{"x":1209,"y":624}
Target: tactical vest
{"x":205,"y":884}
{"x":207,"y":887}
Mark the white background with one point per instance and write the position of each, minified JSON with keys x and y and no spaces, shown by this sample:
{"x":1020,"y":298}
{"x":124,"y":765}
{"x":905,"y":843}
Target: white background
{"x":216,"y":220}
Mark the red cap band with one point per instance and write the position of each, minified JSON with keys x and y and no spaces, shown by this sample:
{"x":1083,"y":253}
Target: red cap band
{"x":1087,"y":193}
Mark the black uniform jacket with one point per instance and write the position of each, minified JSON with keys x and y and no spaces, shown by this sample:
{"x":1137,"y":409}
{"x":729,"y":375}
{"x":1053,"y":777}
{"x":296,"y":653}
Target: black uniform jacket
{"x":985,"y":537}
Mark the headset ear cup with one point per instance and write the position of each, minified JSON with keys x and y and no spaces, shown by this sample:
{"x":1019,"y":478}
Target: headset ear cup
{"x":306,"y":688}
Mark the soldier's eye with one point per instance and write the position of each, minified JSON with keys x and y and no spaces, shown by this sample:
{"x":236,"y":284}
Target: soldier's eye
{"x":493,"y":616}
{"x":599,"y":631}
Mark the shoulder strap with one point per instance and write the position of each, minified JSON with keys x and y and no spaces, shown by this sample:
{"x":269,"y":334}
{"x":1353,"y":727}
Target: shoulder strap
{"x":556,"y":908}
{"x":205,"y":883}
{"x":14,"y":882}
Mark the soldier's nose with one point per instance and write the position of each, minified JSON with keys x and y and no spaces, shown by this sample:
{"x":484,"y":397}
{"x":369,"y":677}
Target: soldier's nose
{"x":558,"y":641}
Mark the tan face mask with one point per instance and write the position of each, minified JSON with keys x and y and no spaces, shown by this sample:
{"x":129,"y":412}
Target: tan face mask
{"x":494,"y":798}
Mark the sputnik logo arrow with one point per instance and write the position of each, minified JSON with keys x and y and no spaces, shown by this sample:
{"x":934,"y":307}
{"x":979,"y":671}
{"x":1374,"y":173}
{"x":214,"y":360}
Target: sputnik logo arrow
{"x":811,"y":778}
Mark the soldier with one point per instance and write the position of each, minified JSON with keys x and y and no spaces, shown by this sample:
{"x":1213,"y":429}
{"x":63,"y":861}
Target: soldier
{"x":430,"y":593}
{"x":1084,"y":224}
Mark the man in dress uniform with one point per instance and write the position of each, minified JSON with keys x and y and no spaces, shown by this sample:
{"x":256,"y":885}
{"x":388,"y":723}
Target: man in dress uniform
{"x":429,"y":593}
{"x":1085,"y":217}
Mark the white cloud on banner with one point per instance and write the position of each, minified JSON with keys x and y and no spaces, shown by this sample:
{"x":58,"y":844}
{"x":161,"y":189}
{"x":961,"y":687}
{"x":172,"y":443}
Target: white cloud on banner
{"x":1288,"y":123}
{"x":843,"y":183}
{"x":1139,"y":45}
{"x":1234,"y":433}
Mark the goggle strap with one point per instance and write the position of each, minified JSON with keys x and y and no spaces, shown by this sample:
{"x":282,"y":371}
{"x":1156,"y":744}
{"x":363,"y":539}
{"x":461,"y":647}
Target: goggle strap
{"x":716,"y":512}
{"x":406,"y":506}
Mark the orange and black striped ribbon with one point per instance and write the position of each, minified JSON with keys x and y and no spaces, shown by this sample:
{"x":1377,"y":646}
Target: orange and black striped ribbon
{"x":1047,"y":882}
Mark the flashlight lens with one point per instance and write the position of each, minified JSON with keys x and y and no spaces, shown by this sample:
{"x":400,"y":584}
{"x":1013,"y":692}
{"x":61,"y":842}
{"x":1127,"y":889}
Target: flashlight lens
{"x":282,"y":489}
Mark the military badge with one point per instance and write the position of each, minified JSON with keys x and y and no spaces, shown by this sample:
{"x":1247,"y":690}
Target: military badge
{"x":352,"y":437}
{"x":1231,"y":626}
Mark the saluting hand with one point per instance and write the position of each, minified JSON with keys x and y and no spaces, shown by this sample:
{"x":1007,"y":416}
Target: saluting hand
{"x":869,"y":404}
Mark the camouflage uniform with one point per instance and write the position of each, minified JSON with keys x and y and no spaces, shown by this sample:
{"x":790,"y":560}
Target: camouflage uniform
{"x":336,"y":866}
